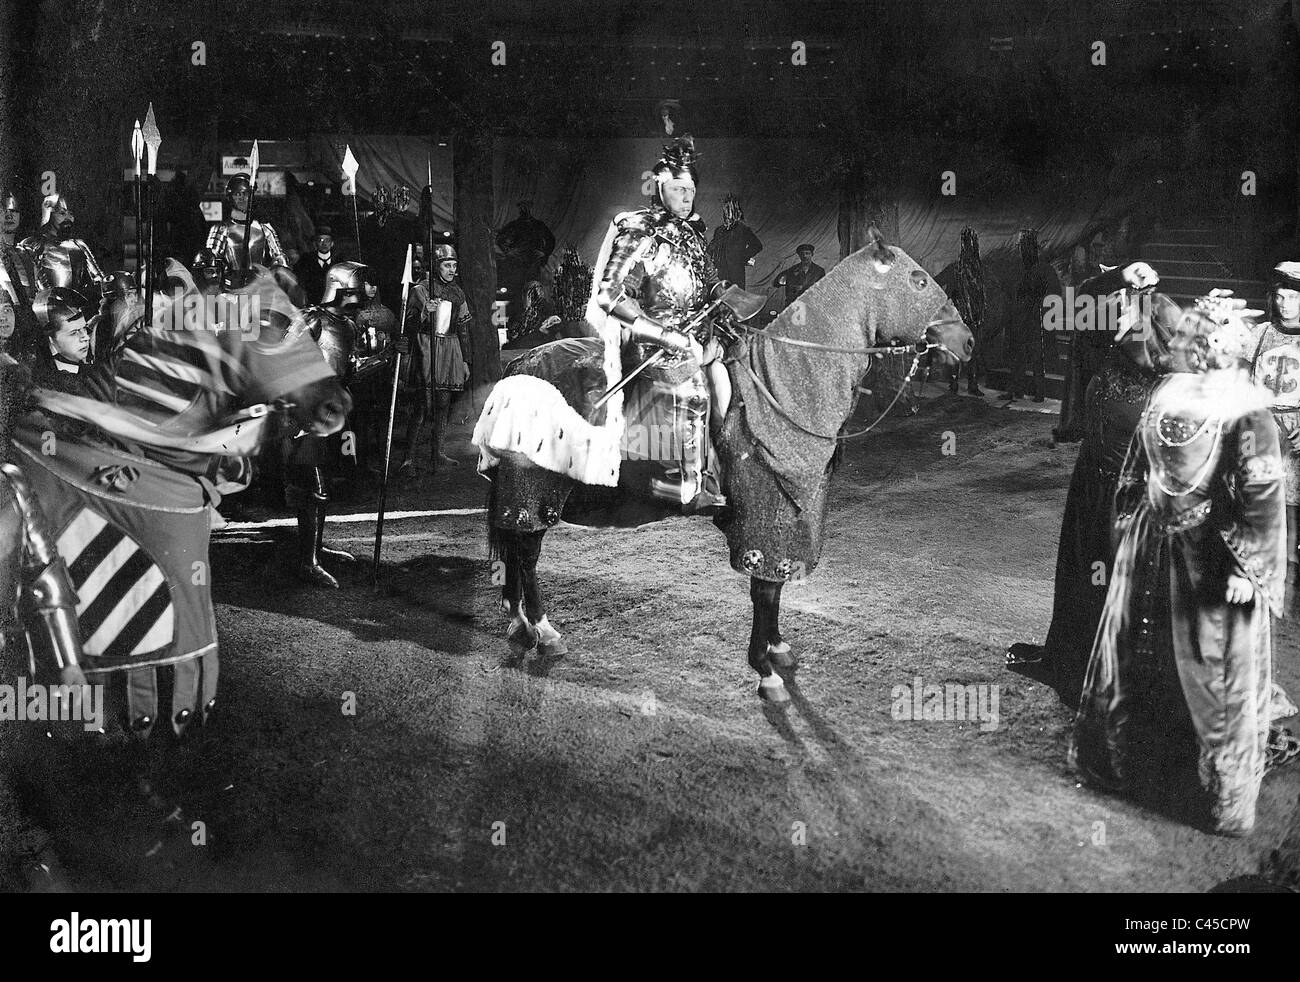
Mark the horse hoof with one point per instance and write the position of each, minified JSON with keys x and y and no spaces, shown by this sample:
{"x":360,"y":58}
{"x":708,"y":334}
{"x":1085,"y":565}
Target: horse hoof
{"x":552,"y":649}
{"x":771,"y":688}
{"x":779,"y":655}
{"x":522,"y":637}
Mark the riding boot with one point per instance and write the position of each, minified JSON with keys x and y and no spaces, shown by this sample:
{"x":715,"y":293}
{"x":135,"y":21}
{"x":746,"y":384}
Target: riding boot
{"x":308,"y":568}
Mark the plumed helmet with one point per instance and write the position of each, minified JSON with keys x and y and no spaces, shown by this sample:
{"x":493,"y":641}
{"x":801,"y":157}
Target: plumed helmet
{"x":238,"y":183}
{"x":49,"y":203}
{"x":444,"y":250}
{"x":344,"y":280}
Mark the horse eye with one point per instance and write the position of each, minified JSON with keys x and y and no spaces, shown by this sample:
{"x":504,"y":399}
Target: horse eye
{"x":919,"y":280}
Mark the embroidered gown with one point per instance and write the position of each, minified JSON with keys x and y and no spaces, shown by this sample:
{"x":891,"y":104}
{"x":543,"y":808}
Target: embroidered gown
{"x":1201,"y":497}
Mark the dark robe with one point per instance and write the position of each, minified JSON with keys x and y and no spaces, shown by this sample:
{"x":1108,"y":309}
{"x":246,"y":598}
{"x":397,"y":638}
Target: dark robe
{"x":732,"y":249}
{"x":1113,"y":405}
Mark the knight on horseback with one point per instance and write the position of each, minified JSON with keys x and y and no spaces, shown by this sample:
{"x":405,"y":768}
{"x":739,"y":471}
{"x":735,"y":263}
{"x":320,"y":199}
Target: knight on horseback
{"x":656,"y":276}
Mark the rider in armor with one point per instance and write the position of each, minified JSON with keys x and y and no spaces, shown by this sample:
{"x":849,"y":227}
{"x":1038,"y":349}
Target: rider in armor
{"x":657,"y":277}
{"x":438,"y":323}
{"x":226,"y":239}
{"x":307,"y":456}
{"x":59,"y":259}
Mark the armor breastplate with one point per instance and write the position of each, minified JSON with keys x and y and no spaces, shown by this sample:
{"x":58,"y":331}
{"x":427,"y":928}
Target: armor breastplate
{"x":68,"y":263}
{"x":333,"y":333}
{"x":674,"y":286}
{"x":231,"y":241}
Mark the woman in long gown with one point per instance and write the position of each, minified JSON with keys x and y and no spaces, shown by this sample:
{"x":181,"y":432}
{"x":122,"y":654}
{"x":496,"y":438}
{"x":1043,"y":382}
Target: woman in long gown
{"x":1115,"y":400}
{"x":1185,"y":632}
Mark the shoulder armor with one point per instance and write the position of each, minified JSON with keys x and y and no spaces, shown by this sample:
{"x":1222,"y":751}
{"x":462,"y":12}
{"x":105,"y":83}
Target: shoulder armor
{"x":642,"y":220}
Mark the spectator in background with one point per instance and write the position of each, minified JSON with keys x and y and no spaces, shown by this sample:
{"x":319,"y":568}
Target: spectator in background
{"x":734,"y":244}
{"x":525,"y":244}
{"x":1025,"y":338}
{"x":967,"y":292}
{"x":313,"y":265}
{"x":801,"y":276}
{"x":299,"y":230}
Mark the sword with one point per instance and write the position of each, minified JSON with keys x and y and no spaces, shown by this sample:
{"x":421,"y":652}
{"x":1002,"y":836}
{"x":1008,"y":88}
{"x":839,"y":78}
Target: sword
{"x":392,"y":418}
{"x":744,"y":304}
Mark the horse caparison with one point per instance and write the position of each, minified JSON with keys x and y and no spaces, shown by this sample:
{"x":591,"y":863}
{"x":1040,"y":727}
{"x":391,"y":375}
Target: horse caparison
{"x":777,"y":444}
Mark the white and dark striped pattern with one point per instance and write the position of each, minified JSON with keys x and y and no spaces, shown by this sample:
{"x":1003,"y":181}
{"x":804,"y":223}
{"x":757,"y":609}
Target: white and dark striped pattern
{"x":165,"y":374}
{"x":124,"y":605}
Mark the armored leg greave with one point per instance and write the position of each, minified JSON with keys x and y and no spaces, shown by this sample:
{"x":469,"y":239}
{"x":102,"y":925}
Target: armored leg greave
{"x":48,"y":609}
{"x":311,"y":523}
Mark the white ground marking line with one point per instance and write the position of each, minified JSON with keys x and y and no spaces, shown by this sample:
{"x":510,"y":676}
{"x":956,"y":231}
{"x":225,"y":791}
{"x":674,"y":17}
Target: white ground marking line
{"x":271,"y":523}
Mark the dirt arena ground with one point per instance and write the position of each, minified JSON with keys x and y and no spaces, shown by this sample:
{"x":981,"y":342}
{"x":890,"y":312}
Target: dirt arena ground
{"x":643,"y":760}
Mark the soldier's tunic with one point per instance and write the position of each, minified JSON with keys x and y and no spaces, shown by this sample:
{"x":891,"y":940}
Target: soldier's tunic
{"x":1200,"y":499}
{"x":438,"y":359}
{"x":1276,"y":366}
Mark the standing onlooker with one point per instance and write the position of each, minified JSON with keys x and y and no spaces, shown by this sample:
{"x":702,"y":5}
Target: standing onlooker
{"x":1184,"y":651}
{"x":734,"y":244}
{"x":801,"y":276}
{"x":969,"y":297}
{"x":1026,"y":329}
{"x":312,"y":267}
{"x":525,"y":244}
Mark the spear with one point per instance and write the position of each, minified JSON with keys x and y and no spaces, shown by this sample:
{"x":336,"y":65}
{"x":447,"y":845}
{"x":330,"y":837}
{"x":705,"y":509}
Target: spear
{"x":253,"y":161}
{"x":153,"y":140}
{"x":350,"y":168}
{"x":137,"y":151}
{"x":392,"y":419}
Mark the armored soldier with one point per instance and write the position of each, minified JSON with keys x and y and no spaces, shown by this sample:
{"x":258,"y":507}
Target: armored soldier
{"x":437,"y":322}
{"x":226,"y":239}
{"x":309,"y":457}
{"x":657,"y":276}
{"x":59,"y":260}
{"x":17,"y":279}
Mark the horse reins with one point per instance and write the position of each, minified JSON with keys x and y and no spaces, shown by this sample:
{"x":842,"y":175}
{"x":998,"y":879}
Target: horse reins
{"x":919,"y":348}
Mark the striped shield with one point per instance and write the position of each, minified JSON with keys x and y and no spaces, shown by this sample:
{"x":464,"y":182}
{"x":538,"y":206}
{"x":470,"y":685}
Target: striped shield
{"x":124,"y":606}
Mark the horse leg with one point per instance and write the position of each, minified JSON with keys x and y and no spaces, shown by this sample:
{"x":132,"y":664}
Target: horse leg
{"x":521,"y":634}
{"x":778,"y":650}
{"x":763,"y":595}
{"x":550,"y":643}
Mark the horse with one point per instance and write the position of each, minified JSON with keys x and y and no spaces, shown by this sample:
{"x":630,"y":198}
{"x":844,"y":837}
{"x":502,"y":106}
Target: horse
{"x":794,"y":387}
{"x":113,"y":500}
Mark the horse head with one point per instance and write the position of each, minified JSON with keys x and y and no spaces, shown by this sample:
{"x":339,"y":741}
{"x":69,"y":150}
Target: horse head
{"x":905,"y":303}
{"x":206,"y":357}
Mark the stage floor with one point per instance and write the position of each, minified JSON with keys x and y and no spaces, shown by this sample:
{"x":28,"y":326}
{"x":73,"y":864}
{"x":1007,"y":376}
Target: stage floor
{"x":643,"y":760}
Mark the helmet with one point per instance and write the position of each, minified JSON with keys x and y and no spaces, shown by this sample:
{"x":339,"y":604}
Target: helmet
{"x":55,"y":308}
{"x":9,"y":200}
{"x":52,"y":201}
{"x":236,"y":184}
{"x":344,"y":280}
{"x":443,"y":251}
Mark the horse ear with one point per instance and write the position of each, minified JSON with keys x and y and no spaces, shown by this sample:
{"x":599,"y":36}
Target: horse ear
{"x":880,"y":252}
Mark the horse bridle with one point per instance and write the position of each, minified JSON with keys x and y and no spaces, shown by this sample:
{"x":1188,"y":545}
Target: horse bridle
{"x":919,"y":349}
